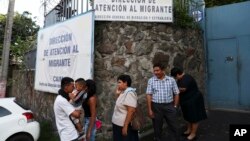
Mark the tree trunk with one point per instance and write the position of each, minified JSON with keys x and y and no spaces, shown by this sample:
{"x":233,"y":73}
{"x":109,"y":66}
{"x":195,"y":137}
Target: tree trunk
{"x":6,"y":48}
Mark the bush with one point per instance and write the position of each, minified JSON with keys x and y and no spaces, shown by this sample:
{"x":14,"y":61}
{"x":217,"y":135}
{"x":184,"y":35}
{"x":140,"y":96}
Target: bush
{"x":47,"y":133}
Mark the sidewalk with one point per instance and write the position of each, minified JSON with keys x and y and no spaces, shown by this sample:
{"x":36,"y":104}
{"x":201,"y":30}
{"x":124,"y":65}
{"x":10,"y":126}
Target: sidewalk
{"x":215,"y":128}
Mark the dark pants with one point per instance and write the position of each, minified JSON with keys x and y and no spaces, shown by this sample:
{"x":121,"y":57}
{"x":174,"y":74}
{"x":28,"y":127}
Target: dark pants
{"x":169,"y":113}
{"x":117,"y":134}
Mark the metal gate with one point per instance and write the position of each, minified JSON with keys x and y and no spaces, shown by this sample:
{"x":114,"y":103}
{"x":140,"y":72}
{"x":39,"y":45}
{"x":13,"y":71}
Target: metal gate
{"x":228,"y":56}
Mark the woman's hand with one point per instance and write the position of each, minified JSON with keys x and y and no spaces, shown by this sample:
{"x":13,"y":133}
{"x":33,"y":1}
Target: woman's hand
{"x":118,"y":91}
{"x":125,"y":130}
{"x":182,"y":89}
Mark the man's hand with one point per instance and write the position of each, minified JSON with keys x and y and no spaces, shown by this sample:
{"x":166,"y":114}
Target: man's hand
{"x":76,"y":113}
{"x":71,"y":95}
{"x":150,"y":114}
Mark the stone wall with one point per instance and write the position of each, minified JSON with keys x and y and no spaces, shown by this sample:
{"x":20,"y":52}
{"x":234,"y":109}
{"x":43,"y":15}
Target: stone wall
{"x":130,"y":48}
{"x":40,"y":103}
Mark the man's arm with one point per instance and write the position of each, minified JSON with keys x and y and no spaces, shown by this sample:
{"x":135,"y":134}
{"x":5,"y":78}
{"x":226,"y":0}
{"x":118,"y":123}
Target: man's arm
{"x":149,"y":101}
{"x":69,"y":109}
{"x":176,"y":93}
{"x":176,"y":100}
{"x":76,"y":113}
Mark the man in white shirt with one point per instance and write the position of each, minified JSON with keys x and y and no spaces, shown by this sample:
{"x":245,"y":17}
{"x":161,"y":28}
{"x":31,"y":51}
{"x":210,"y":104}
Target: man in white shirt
{"x":63,"y":110}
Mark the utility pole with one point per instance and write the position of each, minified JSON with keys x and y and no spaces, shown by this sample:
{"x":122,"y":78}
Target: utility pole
{"x":6,"y":48}
{"x":44,"y":3}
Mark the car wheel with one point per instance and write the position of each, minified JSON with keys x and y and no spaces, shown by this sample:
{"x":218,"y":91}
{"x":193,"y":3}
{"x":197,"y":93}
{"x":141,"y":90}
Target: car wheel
{"x":21,"y":137}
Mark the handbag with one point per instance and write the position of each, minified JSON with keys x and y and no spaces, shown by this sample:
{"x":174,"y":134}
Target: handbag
{"x":98,"y":124}
{"x":137,"y":122}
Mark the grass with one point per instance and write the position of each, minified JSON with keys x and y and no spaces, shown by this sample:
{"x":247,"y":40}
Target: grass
{"x":47,"y":133}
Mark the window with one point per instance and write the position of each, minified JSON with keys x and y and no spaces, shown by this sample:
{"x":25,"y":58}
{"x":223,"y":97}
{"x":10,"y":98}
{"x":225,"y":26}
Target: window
{"x":4,"y":112}
{"x":22,"y":106}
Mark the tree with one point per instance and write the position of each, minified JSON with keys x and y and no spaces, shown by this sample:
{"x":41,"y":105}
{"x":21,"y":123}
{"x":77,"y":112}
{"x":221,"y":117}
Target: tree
{"x":181,"y":14}
{"x":24,"y":33}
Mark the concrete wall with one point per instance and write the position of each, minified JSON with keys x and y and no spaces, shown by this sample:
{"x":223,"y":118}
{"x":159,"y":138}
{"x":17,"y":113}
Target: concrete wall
{"x":124,"y":47}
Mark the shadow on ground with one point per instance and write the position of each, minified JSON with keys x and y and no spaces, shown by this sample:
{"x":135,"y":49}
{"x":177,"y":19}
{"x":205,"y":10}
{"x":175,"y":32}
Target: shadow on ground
{"x":215,"y":128}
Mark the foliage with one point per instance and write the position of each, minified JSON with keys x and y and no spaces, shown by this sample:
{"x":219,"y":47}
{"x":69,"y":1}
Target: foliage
{"x":181,"y":14}
{"x":47,"y":133}
{"x":182,"y":9}
{"x":2,"y":25}
{"x":24,"y":33}
{"x":212,"y":3}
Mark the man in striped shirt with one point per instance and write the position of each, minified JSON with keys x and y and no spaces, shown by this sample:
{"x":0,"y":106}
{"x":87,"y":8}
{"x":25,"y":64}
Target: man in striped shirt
{"x":162,"y":101}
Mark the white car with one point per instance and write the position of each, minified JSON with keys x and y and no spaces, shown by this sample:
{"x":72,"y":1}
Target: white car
{"x":16,"y":122}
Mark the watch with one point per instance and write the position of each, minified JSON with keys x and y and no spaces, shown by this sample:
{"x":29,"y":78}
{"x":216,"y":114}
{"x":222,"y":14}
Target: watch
{"x":175,"y":106}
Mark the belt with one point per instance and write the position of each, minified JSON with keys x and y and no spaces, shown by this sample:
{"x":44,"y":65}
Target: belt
{"x":163,"y":103}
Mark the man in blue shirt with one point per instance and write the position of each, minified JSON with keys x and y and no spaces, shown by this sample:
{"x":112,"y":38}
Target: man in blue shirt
{"x":162,"y":101}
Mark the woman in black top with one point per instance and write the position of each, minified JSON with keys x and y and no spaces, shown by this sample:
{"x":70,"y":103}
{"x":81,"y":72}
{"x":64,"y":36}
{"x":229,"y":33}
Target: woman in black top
{"x":89,"y":106}
{"x":191,"y":101}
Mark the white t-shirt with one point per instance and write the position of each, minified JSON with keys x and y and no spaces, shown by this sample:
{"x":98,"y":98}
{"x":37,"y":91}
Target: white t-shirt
{"x":65,"y":127}
{"x":120,"y":112}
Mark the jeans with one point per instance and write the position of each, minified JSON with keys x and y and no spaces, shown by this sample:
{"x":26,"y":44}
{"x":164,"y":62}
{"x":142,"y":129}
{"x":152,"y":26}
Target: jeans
{"x":86,"y":126}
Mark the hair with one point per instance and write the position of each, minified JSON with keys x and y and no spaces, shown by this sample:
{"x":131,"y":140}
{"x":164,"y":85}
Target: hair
{"x":160,"y":65}
{"x":125,"y":78}
{"x":175,"y":71}
{"x":91,"y":90}
{"x":66,"y":81}
{"x":80,"y":81}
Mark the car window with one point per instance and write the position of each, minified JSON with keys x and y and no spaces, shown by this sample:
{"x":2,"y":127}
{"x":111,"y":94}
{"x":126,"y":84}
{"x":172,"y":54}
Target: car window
{"x":4,"y":112}
{"x":22,"y":106}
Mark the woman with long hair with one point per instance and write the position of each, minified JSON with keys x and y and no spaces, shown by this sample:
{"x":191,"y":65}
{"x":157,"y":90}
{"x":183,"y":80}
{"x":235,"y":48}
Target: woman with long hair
{"x":89,"y":106}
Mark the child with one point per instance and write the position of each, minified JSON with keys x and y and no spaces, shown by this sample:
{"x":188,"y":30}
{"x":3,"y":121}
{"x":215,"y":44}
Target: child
{"x":77,"y":98}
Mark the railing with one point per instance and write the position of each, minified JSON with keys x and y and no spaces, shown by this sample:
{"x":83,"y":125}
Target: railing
{"x":61,"y":10}
{"x":64,"y":9}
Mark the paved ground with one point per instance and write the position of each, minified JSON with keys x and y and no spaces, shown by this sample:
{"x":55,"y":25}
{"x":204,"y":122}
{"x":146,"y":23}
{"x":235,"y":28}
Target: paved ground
{"x":215,"y":128}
